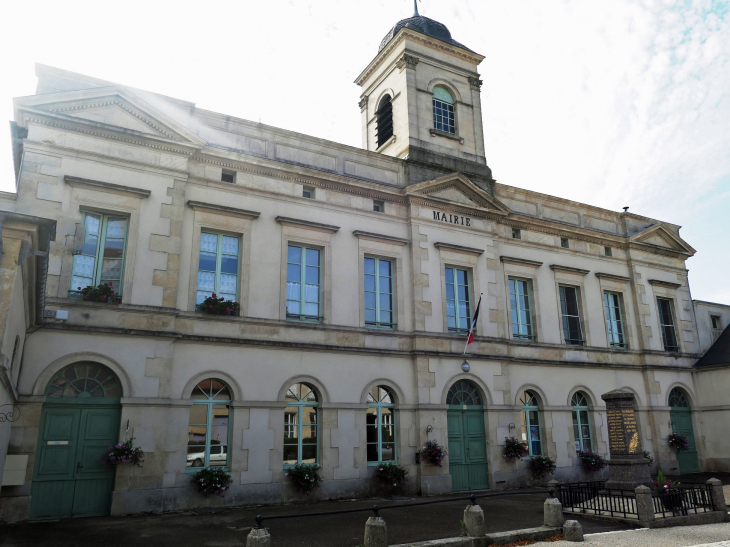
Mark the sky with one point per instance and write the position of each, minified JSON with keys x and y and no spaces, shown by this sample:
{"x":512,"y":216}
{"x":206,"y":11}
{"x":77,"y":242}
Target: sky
{"x":614,"y":103}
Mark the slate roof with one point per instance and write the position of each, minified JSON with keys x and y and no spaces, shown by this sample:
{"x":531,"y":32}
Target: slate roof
{"x":424,"y":25}
{"x":719,"y":352}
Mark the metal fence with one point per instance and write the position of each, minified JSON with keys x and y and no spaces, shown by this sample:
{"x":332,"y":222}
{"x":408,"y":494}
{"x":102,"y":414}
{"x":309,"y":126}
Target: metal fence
{"x":682,"y":500}
{"x":593,"y":498}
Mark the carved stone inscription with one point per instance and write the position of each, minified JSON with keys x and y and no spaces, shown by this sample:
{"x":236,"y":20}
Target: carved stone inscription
{"x":623,"y":436}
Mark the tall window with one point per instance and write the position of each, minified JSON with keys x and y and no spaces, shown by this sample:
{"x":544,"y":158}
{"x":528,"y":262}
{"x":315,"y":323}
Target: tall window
{"x":457,"y":300}
{"x":303,"y":282}
{"x":581,"y":423}
{"x":379,"y":293}
{"x":443,"y":111}
{"x":209,"y":427}
{"x":614,"y":320}
{"x":384,"y":117}
{"x":530,"y":422}
{"x":101,"y":257}
{"x":218,"y":267}
{"x":521,"y":310}
{"x":300,"y":425}
{"x":666,"y":323}
{"x":570,"y":310}
{"x":381,"y":441}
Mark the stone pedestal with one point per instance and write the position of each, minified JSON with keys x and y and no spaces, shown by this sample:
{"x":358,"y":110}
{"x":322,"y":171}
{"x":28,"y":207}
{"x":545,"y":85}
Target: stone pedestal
{"x":644,"y":506}
{"x":572,"y":531}
{"x":474,"y":521}
{"x":553,"y":513}
{"x":258,"y":537}
{"x":627,"y":466}
{"x":718,"y":497}
{"x":376,"y":533}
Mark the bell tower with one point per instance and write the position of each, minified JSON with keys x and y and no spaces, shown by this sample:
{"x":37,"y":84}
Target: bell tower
{"x":421,"y":102}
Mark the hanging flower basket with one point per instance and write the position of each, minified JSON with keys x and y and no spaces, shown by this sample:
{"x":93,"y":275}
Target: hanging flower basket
{"x":678,"y":442}
{"x":123,"y":453}
{"x":216,"y":305}
{"x":305,"y":477}
{"x":390,"y":476}
{"x":541,"y":466}
{"x":591,"y":461}
{"x":212,"y":481}
{"x":514,"y":450}
{"x":433,"y":453}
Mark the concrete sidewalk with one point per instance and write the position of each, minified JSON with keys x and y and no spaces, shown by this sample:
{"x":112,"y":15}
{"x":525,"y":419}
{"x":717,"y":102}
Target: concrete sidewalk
{"x":229,"y":527}
{"x":706,"y":535}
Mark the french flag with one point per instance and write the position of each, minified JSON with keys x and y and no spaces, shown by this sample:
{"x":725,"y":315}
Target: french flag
{"x":473,"y":327}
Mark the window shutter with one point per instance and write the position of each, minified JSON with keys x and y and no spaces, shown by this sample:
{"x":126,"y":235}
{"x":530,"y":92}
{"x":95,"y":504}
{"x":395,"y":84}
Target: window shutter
{"x":79,"y":237}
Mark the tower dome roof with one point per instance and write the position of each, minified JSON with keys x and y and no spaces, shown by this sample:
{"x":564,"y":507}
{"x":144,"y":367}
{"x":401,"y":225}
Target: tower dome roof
{"x":424,"y":25}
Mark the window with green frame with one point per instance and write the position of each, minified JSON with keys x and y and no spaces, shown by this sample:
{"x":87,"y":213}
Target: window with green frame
{"x":209,"y":428}
{"x":100,"y":259}
{"x":218,"y":266}
{"x":570,"y":312}
{"x":666,"y":324}
{"x":582,"y":431}
{"x":381,"y":430}
{"x":303,"y":283}
{"x":521,"y":309}
{"x":530,"y":422}
{"x":458,"y":312}
{"x":614,"y":320}
{"x":301,"y":425}
{"x":379,"y":293}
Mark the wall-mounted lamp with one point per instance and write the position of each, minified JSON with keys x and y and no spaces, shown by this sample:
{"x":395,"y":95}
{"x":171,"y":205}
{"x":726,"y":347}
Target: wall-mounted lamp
{"x":511,"y":427}
{"x":465,"y":366}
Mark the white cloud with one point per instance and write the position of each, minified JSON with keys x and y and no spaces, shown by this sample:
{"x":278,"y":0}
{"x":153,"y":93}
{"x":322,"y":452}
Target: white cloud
{"x":611,"y":103}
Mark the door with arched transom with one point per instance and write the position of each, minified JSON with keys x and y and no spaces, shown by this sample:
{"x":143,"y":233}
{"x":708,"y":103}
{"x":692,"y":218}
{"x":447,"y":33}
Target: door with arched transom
{"x":681,"y":417}
{"x":79,"y":420}
{"x":467,"y":439}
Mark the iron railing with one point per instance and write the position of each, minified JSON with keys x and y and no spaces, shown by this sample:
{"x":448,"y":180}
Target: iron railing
{"x":377,"y":508}
{"x":682,"y":500}
{"x":593,"y":498}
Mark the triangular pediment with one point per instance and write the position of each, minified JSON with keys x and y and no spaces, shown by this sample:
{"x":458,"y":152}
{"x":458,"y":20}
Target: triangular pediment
{"x":661,"y":236}
{"x":113,"y":108}
{"x":457,"y":189}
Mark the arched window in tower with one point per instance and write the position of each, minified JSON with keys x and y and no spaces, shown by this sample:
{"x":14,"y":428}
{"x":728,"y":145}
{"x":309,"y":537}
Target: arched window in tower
{"x":443,"y":110}
{"x":530,"y":422}
{"x":581,"y":423}
{"x":384,"y":116}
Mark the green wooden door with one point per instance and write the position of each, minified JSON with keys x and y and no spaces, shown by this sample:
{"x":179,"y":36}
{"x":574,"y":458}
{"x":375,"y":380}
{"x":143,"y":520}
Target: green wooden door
{"x":467,"y":449}
{"x":69,"y":479}
{"x":682,"y":420}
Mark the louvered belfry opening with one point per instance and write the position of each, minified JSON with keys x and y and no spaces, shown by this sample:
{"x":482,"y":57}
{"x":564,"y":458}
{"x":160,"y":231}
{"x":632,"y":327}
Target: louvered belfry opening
{"x":385,"y":120}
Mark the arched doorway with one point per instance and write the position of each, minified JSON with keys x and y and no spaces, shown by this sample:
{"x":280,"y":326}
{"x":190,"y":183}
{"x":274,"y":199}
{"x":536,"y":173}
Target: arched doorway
{"x":79,"y":420}
{"x":681,"y":418}
{"x":467,"y":437}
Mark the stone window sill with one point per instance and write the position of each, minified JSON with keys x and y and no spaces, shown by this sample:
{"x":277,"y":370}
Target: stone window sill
{"x":453,"y":137}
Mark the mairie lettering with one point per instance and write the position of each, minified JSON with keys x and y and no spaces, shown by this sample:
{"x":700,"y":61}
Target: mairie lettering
{"x":451,"y":219}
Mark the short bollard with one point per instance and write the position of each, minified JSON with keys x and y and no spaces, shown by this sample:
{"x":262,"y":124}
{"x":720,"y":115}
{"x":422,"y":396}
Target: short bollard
{"x":376,"y":533}
{"x":553,"y":513}
{"x":644,"y":506}
{"x":258,"y":537}
{"x":718,"y":497}
{"x":572,"y":531}
{"x":474,"y":521}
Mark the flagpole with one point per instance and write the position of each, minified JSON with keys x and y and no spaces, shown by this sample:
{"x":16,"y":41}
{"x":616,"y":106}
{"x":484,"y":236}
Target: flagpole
{"x":467,"y":336}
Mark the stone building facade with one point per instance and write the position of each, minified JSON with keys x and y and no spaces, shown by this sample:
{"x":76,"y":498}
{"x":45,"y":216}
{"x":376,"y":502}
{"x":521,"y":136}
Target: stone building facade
{"x":357,"y":273}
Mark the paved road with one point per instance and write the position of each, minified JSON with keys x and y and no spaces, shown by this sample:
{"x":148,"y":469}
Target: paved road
{"x":230,"y":527}
{"x":707,"y":535}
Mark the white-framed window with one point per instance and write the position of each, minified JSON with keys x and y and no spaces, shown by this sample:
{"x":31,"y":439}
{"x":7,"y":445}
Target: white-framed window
{"x":614,"y":320}
{"x":378,"y":206}
{"x":564,"y":243}
{"x":100,"y":259}
{"x":381,"y":429}
{"x":582,"y":431}
{"x":210,"y":426}
{"x":228,"y":176}
{"x":458,"y":310}
{"x":530,"y":422}
{"x":379,"y":293}
{"x":570,"y":312}
{"x":301,"y":434}
{"x":716,"y":322}
{"x":218,"y":264}
{"x":521,"y":309}
{"x":607,"y":251}
{"x":443,"y":110}
{"x":303,"y":283}
{"x":666,"y":324}
{"x":308,"y":192}
{"x":516,"y":233}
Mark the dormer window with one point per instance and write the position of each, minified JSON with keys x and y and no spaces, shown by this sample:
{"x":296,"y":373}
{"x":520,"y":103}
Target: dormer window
{"x":443,"y":110}
{"x":384,"y":117}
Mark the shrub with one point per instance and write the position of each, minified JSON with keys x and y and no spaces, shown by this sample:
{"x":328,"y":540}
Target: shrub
{"x":678,"y":442}
{"x":541,"y":466}
{"x":103,"y":292}
{"x":648,"y":456}
{"x":219,"y":306}
{"x":591,"y":461}
{"x":212,"y":481}
{"x":665,"y":482}
{"x":123,"y":453}
{"x":514,"y":449}
{"x":305,"y":477}
{"x":433,"y":453}
{"x":390,"y":475}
